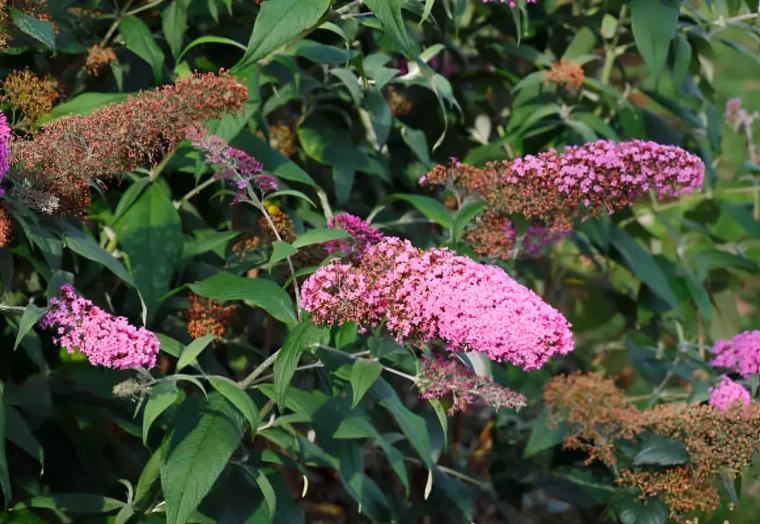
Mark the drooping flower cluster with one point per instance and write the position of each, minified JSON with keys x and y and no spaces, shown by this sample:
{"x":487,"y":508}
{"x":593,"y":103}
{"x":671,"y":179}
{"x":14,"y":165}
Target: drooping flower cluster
{"x":105,"y":340}
{"x":728,"y":392}
{"x":435,"y":295}
{"x":740,"y":354}
{"x":70,"y":154}
{"x":439,"y":376}
{"x":5,"y":227}
{"x":565,"y":73}
{"x":551,"y":189}
{"x":207,"y":317}
{"x":363,"y":236}
{"x":5,"y":136}
{"x":283,"y":138}
{"x":97,"y":58}
{"x":232,"y":164}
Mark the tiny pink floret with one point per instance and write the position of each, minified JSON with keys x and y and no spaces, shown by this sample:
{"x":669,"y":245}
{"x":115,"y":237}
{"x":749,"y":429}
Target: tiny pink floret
{"x":728,"y":392}
{"x":104,"y":339}
{"x":740,"y":354}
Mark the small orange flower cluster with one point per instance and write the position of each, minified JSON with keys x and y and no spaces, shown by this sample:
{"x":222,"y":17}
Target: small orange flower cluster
{"x":97,"y":58}
{"x":207,"y":317}
{"x":565,"y":73}
{"x":246,"y":243}
{"x":282,"y":222}
{"x":398,"y":103}
{"x":5,"y":227}
{"x":27,"y":94}
{"x":70,"y":154}
{"x":718,"y":442}
{"x":283,"y":139}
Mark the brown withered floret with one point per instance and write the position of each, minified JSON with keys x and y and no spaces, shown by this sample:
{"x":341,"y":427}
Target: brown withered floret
{"x":68,"y":155}
{"x":565,"y":73}
{"x":5,"y":227}
{"x":398,"y":103}
{"x":27,"y":96}
{"x":207,"y":317}
{"x":595,"y":411}
{"x":97,"y":58}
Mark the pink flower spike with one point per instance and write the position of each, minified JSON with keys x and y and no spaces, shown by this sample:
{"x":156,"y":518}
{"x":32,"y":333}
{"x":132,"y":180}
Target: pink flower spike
{"x":740,"y":354}
{"x":363,"y":235}
{"x":106,"y":340}
{"x":728,"y":392}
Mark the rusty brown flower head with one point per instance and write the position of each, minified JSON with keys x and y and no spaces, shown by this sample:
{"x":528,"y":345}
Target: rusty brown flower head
{"x":97,"y":58}
{"x":68,"y":155}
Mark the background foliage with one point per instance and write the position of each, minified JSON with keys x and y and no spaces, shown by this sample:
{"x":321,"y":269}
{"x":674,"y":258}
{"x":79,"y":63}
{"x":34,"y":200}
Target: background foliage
{"x":350,"y":103}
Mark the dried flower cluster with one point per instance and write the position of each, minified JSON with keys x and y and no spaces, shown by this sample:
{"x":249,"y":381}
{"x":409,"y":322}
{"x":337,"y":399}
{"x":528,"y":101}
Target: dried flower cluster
{"x":233,"y":165}
{"x":719,"y":440}
{"x":595,"y":411}
{"x":424,"y":296}
{"x":398,"y":103}
{"x":245,"y":244}
{"x":207,"y":317}
{"x":363,"y":236}
{"x":282,"y":222}
{"x":70,"y":154}
{"x":282,"y":138}
{"x":565,"y":73}
{"x":740,"y":354}
{"x":728,"y":392}
{"x":104,"y":339}
{"x":27,"y":96}
{"x":5,"y":227}
{"x":439,"y":377}
{"x":551,"y":189}
{"x":97,"y":58}
{"x":5,"y":136}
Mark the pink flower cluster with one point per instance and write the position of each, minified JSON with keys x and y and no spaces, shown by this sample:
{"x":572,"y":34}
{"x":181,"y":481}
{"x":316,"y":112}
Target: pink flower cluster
{"x":536,"y":239}
{"x":725,"y":394}
{"x":424,"y":296}
{"x":733,"y":107}
{"x":232,"y":164}
{"x":439,"y":376}
{"x":5,"y":136}
{"x":363,"y":236}
{"x":106,"y":340}
{"x":740,"y":354}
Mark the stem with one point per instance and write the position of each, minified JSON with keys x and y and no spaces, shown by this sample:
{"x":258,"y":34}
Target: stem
{"x":12,"y":309}
{"x":115,"y":24}
{"x":346,"y":8}
{"x":609,"y":57}
{"x":247,"y":381}
{"x":145,"y":7}
{"x":161,"y":165}
{"x":190,"y":194}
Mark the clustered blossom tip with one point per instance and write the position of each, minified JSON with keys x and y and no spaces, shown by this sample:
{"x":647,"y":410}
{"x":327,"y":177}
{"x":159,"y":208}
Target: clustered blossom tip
{"x":725,"y":394}
{"x":740,"y":354}
{"x":423,"y":296}
{"x":104,"y":339}
{"x":362,"y":235}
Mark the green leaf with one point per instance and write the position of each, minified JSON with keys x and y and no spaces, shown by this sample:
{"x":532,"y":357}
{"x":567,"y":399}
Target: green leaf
{"x":364,"y":373}
{"x":301,"y":338}
{"x":380,"y":115}
{"x":291,"y":192}
{"x":661,"y":451}
{"x":82,"y":104}
{"x":389,"y":13}
{"x":351,"y":82}
{"x":86,"y":247}
{"x":209,"y":40}
{"x":270,"y":498}
{"x":140,"y":41}
{"x":440,"y":413}
{"x":280,"y":22}
{"x":429,"y":207}
{"x":417,"y":142}
{"x":73,"y":503}
{"x":147,"y":484}
{"x":30,"y":317}
{"x":741,"y":216}
{"x":197,"y":450}
{"x":18,"y":432}
{"x":192,"y":350}
{"x":276,"y":163}
{"x":280,"y":251}
{"x":464,"y":216}
{"x":260,"y":292}
{"x":651,"y":512}
{"x":541,"y":437}
{"x":238,"y":398}
{"x":205,"y":241}
{"x":37,"y":29}
{"x":174,"y":24}
{"x":654,"y":26}
{"x":150,"y":232}
{"x":5,"y":478}
{"x":318,"y":236}
{"x":163,"y":395}
{"x":643,"y":265}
